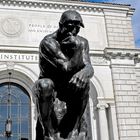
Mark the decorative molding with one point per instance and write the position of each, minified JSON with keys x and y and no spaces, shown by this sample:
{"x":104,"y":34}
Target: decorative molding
{"x":62,"y":5}
{"x":102,"y":106}
{"x":137,"y":59}
{"x":121,"y":53}
{"x":91,"y":7}
{"x":99,"y":60}
{"x":11,"y":26}
{"x":10,"y":65}
{"x":108,"y":100}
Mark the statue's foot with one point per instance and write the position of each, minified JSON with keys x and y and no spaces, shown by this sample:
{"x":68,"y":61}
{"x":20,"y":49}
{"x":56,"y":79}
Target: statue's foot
{"x":73,"y":135}
{"x":57,"y":137}
{"x":48,"y":138}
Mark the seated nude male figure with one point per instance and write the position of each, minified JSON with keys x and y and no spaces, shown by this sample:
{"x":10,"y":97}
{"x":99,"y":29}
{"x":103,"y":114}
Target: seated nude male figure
{"x":65,"y":71}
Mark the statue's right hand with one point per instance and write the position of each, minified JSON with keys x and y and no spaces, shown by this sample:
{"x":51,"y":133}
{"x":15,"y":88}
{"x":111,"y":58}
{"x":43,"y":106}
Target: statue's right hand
{"x":72,"y":41}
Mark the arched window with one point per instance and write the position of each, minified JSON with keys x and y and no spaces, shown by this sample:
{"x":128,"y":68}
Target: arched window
{"x":15,"y":103}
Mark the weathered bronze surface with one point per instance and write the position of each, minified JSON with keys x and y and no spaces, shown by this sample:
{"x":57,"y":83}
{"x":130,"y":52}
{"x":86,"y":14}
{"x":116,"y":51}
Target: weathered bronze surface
{"x":65,"y":71}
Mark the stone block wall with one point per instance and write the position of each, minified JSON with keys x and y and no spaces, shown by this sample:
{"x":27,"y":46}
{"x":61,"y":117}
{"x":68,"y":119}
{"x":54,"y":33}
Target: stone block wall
{"x":138,"y":77}
{"x":127,"y":105}
{"x":119,"y":30}
{"x":125,"y":72}
{"x":126,"y":83}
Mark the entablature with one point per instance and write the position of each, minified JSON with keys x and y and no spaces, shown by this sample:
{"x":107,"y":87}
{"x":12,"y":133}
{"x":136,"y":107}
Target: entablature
{"x":121,"y":53}
{"x":63,"y":5}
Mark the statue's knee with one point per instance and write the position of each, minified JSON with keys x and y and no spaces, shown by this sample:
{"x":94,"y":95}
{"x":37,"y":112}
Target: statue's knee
{"x":45,"y":87}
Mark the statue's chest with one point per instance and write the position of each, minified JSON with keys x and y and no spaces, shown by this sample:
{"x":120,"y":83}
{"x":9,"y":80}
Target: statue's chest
{"x":76,"y":62}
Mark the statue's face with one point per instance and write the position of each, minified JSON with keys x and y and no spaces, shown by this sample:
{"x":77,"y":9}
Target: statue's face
{"x":70,"y":28}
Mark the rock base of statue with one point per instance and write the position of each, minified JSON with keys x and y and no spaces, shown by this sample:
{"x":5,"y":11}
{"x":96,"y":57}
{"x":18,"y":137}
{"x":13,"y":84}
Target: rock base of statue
{"x":60,"y":109}
{"x":75,"y":136}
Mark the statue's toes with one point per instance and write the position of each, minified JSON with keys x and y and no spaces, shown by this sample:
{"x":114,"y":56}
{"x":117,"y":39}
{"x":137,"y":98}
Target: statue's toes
{"x":48,"y":138}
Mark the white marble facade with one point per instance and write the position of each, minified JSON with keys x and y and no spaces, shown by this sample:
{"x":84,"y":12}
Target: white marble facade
{"x":114,"y":105}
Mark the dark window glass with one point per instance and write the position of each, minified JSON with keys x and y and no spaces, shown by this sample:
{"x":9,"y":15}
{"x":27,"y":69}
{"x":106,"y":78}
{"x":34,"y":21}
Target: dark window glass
{"x":15,"y":103}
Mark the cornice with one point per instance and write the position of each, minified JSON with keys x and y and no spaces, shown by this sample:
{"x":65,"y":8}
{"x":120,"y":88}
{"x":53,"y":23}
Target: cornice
{"x":108,"y":54}
{"x":137,"y":59}
{"x":63,"y":5}
{"x":122,"y":53}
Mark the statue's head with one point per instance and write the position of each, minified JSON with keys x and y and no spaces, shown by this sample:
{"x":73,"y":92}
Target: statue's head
{"x":70,"y":22}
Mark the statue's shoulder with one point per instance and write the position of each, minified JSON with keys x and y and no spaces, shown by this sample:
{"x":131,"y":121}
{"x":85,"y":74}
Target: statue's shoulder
{"x":84,"y":41}
{"x":49,"y":41}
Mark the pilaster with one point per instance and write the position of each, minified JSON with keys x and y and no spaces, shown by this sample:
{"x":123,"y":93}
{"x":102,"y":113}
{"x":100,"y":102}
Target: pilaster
{"x":113,"y":121}
{"x":104,"y":134}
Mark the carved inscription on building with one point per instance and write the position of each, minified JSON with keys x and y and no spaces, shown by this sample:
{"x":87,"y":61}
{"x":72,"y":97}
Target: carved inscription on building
{"x":16,"y":57}
{"x":41,"y":28}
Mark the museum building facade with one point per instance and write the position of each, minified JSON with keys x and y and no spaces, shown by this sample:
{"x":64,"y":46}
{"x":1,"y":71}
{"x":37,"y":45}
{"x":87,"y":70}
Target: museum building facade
{"x":113,"y":111}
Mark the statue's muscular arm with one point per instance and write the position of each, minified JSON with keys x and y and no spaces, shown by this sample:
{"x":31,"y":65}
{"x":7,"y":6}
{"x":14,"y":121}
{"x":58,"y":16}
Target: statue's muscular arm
{"x":81,"y":78}
{"x":50,"y":50}
{"x":81,"y":53}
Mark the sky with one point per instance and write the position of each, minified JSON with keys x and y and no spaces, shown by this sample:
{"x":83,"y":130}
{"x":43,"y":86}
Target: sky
{"x":135,"y":18}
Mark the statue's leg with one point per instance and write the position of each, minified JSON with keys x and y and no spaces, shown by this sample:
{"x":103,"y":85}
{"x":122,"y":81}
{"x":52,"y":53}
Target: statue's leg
{"x":76,"y":104}
{"x":45,"y":97}
{"x":39,"y":131}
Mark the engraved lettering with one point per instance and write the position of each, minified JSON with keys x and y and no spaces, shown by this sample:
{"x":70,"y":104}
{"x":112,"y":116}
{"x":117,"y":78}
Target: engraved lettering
{"x":11,"y":57}
{"x":41,"y":28}
{"x":19,"y":57}
{"x":6,"y":56}
{"x":15,"y":56}
{"x":32,"y":57}
{"x":27,"y":57}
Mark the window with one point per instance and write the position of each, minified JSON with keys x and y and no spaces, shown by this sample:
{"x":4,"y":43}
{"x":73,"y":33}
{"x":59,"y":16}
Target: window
{"x":15,"y":102}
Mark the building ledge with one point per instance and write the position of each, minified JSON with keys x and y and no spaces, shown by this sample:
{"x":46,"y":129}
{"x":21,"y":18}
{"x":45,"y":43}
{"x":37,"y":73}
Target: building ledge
{"x":63,"y":5}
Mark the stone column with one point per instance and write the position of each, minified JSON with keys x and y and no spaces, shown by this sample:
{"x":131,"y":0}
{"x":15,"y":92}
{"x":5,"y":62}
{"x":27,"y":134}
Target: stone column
{"x":93,"y":120}
{"x":114,"y":121}
{"x":104,"y":134}
{"x":34,"y":121}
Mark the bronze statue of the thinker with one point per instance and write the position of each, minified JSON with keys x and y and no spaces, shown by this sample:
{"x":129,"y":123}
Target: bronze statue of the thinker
{"x":65,"y":71}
